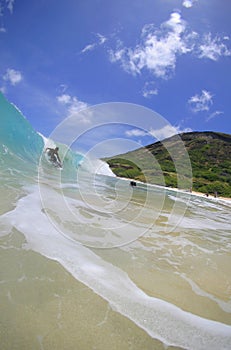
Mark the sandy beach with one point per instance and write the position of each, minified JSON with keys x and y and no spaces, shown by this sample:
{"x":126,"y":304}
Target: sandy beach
{"x":194,"y":193}
{"x":210,"y":196}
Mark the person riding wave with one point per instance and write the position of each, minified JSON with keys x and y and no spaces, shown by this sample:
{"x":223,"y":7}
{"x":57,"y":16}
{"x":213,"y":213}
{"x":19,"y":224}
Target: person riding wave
{"x":53,"y":154}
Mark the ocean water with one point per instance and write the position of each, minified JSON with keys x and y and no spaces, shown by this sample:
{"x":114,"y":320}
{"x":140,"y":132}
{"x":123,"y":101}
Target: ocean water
{"x":88,"y":262}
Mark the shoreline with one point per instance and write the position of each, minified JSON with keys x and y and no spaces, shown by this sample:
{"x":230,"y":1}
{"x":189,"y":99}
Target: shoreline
{"x":201,"y":194}
{"x":194,"y":193}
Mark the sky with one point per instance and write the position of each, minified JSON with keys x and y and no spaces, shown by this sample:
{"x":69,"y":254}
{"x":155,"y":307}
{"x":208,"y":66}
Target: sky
{"x":172,"y":57}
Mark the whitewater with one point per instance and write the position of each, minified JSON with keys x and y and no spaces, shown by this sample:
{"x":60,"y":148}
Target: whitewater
{"x":88,"y":262}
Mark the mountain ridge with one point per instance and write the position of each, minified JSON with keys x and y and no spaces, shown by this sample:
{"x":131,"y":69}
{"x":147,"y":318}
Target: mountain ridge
{"x":209,"y":154}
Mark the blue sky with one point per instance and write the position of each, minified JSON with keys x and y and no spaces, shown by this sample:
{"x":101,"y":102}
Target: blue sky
{"x":170,"y":56}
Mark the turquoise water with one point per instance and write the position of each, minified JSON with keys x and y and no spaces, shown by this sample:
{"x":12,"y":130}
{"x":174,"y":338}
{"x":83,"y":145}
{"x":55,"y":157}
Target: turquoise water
{"x":87,"y":262}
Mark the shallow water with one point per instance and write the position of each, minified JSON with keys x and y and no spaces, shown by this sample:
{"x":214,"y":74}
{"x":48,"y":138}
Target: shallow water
{"x":63,"y":287}
{"x":44,"y":307}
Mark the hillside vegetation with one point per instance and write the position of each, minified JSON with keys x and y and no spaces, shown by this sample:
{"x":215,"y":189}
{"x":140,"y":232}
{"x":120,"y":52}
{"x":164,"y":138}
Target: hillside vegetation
{"x":209,"y":154}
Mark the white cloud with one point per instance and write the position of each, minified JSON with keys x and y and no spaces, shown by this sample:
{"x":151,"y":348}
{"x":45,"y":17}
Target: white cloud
{"x":74,"y":107}
{"x":213,"y":48}
{"x":102,"y":38}
{"x":188,"y":3}
{"x":10,"y":5}
{"x":158,"y":49}
{"x":118,"y":54}
{"x":167,"y":131}
{"x":6,"y":4}
{"x":201,"y":102}
{"x":149,"y":90}
{"x":100,"y":41}
{"x":13,"y":76}
{"x":136,"y":133}
{"x":62,"y":89}
{"x":159,"y":134}
{"x":65,"y":99}
{"x":89,"y":47}
{"x":214,"y":115}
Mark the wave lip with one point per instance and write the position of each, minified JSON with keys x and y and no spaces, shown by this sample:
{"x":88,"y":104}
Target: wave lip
{"x":19,"y":142}
{"x":17,"y":134}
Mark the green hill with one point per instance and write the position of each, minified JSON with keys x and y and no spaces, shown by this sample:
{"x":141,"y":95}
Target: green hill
{"x":209,"y":154}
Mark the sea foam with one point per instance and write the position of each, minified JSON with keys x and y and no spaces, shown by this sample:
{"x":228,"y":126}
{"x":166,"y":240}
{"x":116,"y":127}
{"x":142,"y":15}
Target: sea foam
{"x":160,"y":319}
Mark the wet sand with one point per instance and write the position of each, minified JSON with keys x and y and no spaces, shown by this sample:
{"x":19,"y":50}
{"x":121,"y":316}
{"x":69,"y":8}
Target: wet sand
{"x":43,"y":307}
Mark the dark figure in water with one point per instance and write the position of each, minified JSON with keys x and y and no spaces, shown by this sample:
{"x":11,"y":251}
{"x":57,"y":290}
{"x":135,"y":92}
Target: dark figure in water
{"x":53,"y":154}
{"x":133,"y":183}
